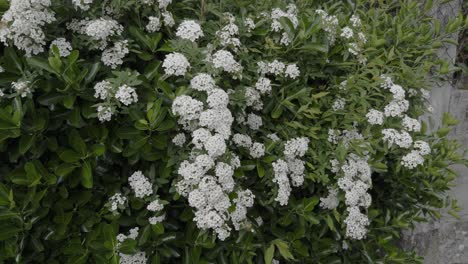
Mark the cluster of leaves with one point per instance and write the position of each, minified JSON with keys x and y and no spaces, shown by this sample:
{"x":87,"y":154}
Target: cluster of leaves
{"x":59,"y":164}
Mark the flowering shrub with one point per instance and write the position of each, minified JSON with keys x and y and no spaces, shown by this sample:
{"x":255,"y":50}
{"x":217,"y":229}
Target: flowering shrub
{"x":152,"y":131}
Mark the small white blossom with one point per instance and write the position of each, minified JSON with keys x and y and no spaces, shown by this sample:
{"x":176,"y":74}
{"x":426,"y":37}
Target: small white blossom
{"x":154,"y":24}
{"x":189,"y":29}
{"x":168,"y":19}
{"x":126,"y":95}
{"x":155,"y":206}
{"x":104,"y":113}
{"x":101,"y":29}
{"x":339,"y":104}
{"x":113,"y":57}
{"x":203,"y":82}
{"x":422,"y":147}
{"x":175,"y":64}
{"x":375,"y":117}
{"x":22,"y":88}
{"x":140,"y":184}
{"x":292,"y":71}
{"x":347,"y":33}
{"x":137,"y":258}
{"x":412,"y":159}
{"x":254,"y":121}
{"x":63,"y":46}
{"x":411,"y":124}
{"x":217,"y":99}
{"x":223,"y":59}
{"x":257,"y":150}
{"x":296,"y":147}
{"x":179,"y":140}
{"x":263,"y":85}
{"x":331,"y":201}
{"x":117,"y":201}
{"x":82,"y":4}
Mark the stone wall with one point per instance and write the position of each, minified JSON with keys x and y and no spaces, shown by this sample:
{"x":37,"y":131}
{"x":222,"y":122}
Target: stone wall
{"x":446,"y":241}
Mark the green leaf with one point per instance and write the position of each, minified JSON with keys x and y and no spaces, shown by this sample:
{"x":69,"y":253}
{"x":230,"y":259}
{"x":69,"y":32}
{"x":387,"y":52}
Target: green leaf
{"x":25,"y":143}
{"x":269,"y":254}
{"x":283,"y":249}
{"x":69,"y":156}
{"x":158,"y":228}
{"x":65,"y":169}
{"x":77,"y":143}
{"x":86,"y":175}
{"x":310,"y":203}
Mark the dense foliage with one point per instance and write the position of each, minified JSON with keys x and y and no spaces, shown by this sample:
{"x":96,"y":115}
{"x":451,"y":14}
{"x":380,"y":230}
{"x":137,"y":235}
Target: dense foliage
{"x":219,"y":131}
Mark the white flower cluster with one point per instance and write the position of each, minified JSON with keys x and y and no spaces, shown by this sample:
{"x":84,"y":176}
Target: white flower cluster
{"x":137,"y":258}
{"x":132,"y":234}
{"x":292,"y":166}
{"x":126,"y":95}
{"x":63,"y":46}
{"x":210,"y":128}
{"x":331,"y":201}
{"x":411,"y":124}
{"x":117,"y":201}
{"x":278,"y":68}
{"x":392,"y":136}
{"x":22,"y":25}
{"x":329,"y":24}
{"x":140,"y":184}
{"x":223,"y":59}
{"x":153,"y":25}
{"x":176,"y":64}
{"x":375,"y":117}
{"x":399,"y":104}
{"x":105,"y":91}
{"x":23,"y":88}
{"x":189,"y":29}
{"x":227,"y":35}
{"x":339,"y":104}
{"x":355,"y":182}
{"x":276,"y":15}
{"x":82,"y":4}
{"x":113,"y":57}
{"x":415,"y":157}
{"x":179,"y":139}
{"x":250,"y":24}
{"x":102,"y":29}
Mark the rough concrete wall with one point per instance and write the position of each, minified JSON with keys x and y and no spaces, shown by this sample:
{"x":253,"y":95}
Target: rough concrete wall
{"x":446,"y":241}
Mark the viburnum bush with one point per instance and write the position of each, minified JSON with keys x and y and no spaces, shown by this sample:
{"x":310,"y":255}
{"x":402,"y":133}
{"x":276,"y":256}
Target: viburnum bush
{"x":159,"y":131}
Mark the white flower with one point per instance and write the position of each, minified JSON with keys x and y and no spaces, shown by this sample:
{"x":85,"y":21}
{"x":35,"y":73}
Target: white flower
{"x":163,"y":4}
{"x":250,"y":24}
{"x":22,"y":88}
{"x":155,"y":206}
{"x":296,"y":147}
{"x":411,"y":124}
{"x":189,"y":29}
{"x":154,"y":220}
{"x":200,"y":136}
{"x":263,"y":85}
{"x":275,"y":67}
{"x":331,"y":201}
{"x":412,"y":159}
{"x":140,"y":184}
{"x":153,"y":25}
{"x":1,"y":93}
{"x":223,"y":59}
{"x":117,"y":201}
{"x":137,"y":258}
{"x":254,"y":121}
{"x":126,"y":95}
{"x":292,"y":71}
{"x":101,"y":29}
{"x":396,"y":108}
{"x":347,"y":33}
{"x":354,"y":49}
{"x":257,"y":150}
{"x":333,"y":136}
{"x":217,"y":99}
{"x":356,"y":223}
{"x":82,"y":4}
{"x":422,"y":147}
{"x":296,"y":168}
{"x":375,"y":117}
{"x":22,"y":24}
{"x":104,"y":113}
{"x":203,"y":82}
{"x":102,"y":90}
{"x":175,"y":64}
{"x":63,"y":46}
{"x":329,"y":24}
{"x":113,"y":57}
{"x":392,"y":136}
{"x":280,"y":169}
{"x":242,"y":140}
{"x":224,"y":172}
{"x":215,"y":146}
{"x":187,"y":107}
{"x":168,"y":19}
{"x":253,"y":99}
{"x":339,"y":104}
{"x":355,"y":21}
{"x":398,"y":92}
{"x":179,"y":139}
